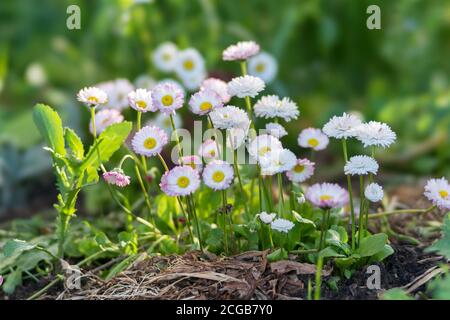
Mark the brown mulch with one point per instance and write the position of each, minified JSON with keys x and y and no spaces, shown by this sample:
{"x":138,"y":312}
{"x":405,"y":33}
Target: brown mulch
{"x":246,"y":276}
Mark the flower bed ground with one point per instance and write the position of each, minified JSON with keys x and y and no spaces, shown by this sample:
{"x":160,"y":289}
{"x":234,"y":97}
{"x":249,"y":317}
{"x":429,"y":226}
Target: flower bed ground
{"x":245,"y":276}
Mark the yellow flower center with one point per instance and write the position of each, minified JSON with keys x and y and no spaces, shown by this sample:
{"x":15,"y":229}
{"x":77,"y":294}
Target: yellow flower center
{"x":167,"y":100}
{"x":193,"y":166}
{"x":443,"y":194}
{"x":150,"y":143}
{"x":93,"y":99}
{"x":188,"y":65}
{"x":263,"y":150}
{"x":212,"y":153}
{"x":141,"y":104}
{"x":325,"y":197}
{"x":299,"y":168}
{"x":205,"y":106}
{"x":313,"y":142}
{"x":218,"y":176}
{"x":166,"y":56}
{"x":183,"y":182}
{"x":260,"y":67}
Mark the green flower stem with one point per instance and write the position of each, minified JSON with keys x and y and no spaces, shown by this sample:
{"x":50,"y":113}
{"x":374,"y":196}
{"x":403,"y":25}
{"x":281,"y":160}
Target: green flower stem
{"x":324,"y":228}
{"x":163,"y":162}
{"x":350,"y":193}
{"x":191,"y":205}
{"x":270,"y":236}
{"x":248,"y":102}
{"x":144,"y":191}
{"x":224,"y":213}
{"x":361,"y":208}
{"x":63,"y":226}
{"x":270,"y":195}
{"x":281,"y":196}
{"x":211,"y":126}
{"x":177,"y":138}
{"x":241,"y":186}
{"x":188,"y":215}
{"x":143,"y":159}
{"x":318,"y":278}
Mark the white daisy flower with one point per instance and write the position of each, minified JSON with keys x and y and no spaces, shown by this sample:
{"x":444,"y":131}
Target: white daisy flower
{"x":264,"y":66}
{"x":327,"y":195}
{"x":167,"y":97}
{"x":180,"y":181}
{"x":282,"y":225}
{"x":218,"y":175}
{"x":162,"y":121}
{"x":218,"y":86}
{"x":262,"y":145}
{"x":175,"y":83}
{"x":240,"y":51}
{"x":267,"y":218}
{"x":194,"y":161}
{"x":208,"y":149}
{"x":189,"y":62}
{"x":194,"y":81}
{"x":149,"y":141}
{"x":274,"y":107}
{"x":277,"y":161}
{"x":236,"y":137}
{"x":374,"y":192}
{"x":375,"y":133}
{"x":205,"y":101}
{"x":104,"y":118}
{"x":342,"y":127}
{"x":361,"y":165}
{"x":313,"y":138}
{"x":117,"y":92}
{"x":141,"y":100}
{"x":229,"y":117}
{"x":92,"y":96}
{"x":145,"y":81}
{"x":165,"y":56}
{"x":276,"y":130}
{"x":246,"y":86}
{"x":438,"y":192}
{"x":302,"y":171}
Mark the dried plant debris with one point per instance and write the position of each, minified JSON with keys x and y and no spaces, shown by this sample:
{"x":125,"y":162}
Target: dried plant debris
{"x":246,"y":276}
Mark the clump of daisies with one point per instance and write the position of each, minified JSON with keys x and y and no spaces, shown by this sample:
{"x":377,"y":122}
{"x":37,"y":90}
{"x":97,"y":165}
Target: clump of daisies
{"x":233,"y":110}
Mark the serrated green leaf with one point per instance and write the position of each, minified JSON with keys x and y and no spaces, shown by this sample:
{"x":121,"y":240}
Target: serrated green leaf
{"x":383,"y":254}
{"x":279,"y":254}
{"x":300,"y":219}
{"x":50,"y":126}
{"x":442,"y":246}
{"x":16,"y":246}
{"x":109,"y":142}
{"x":372,"y":244}
{"x":329,"y":252}
{"x":74,"y":143}
{"x":13,"y":280}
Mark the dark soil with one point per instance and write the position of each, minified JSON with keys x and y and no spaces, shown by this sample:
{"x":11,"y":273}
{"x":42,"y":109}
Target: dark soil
{"x":245,"y":276}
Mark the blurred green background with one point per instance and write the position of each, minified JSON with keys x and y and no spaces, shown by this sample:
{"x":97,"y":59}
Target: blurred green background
{"x":329,"y":62}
